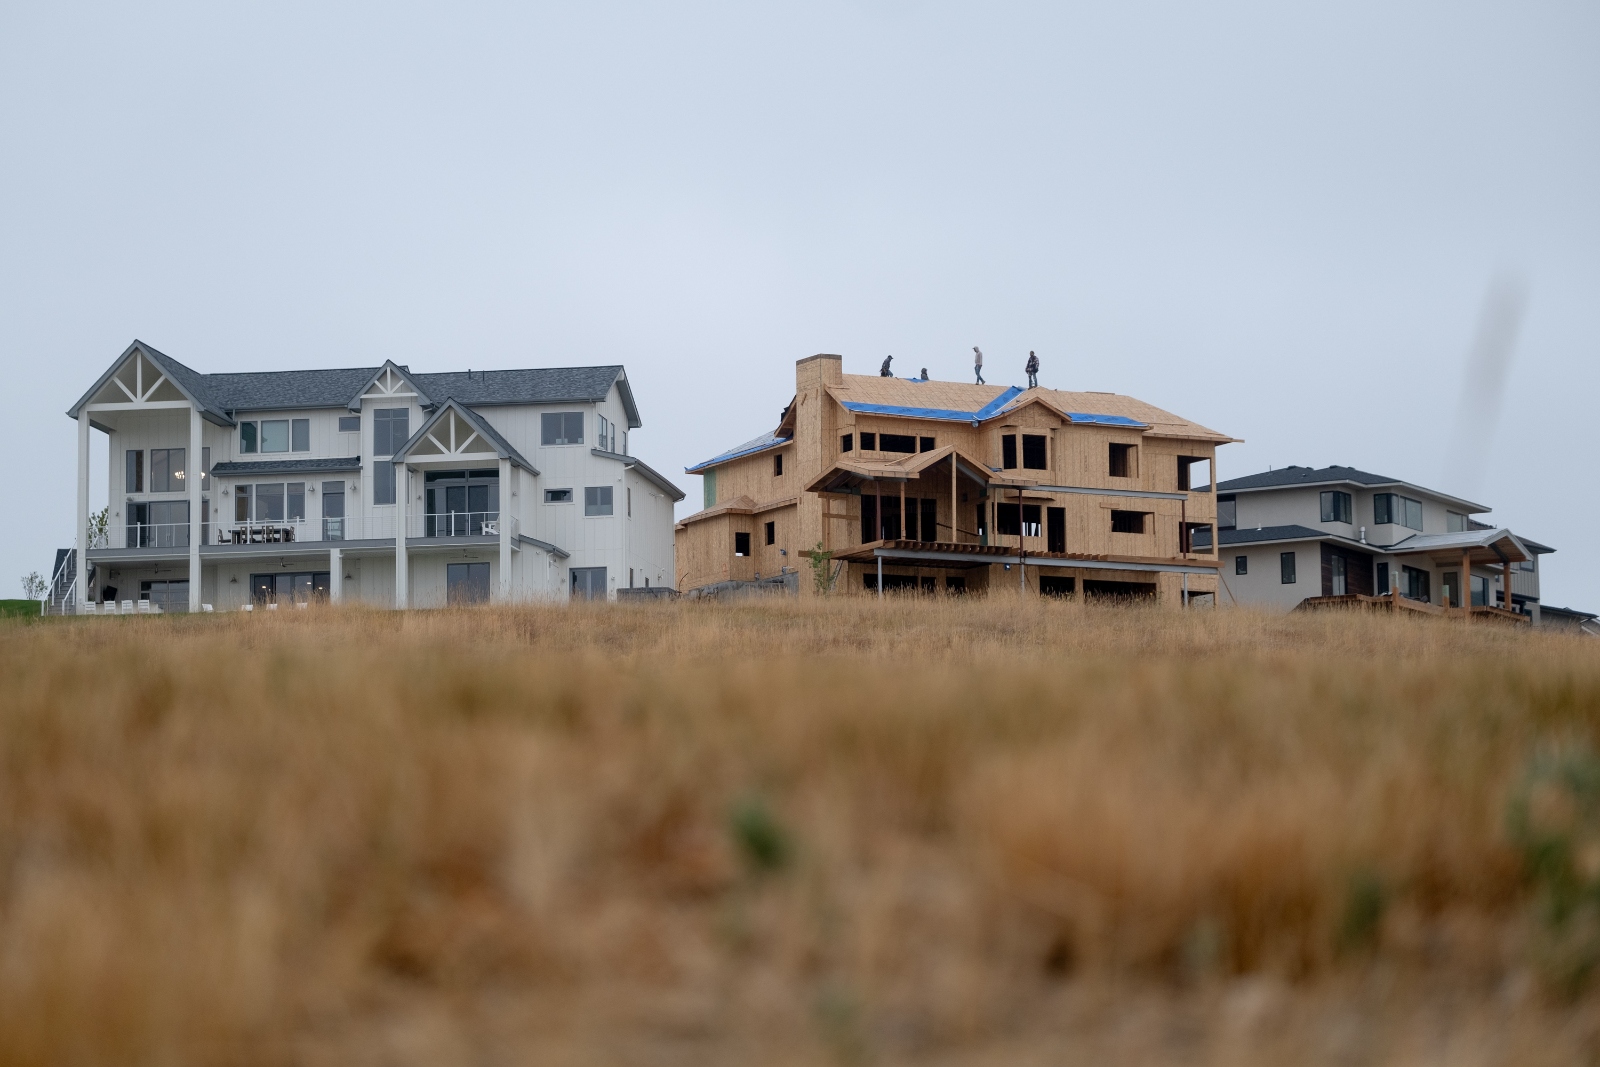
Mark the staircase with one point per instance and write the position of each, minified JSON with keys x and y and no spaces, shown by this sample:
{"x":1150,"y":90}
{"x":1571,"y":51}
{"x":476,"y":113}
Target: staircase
{"x":62,"y":594}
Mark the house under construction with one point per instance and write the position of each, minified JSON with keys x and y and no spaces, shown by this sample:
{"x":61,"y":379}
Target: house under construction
{"x":912,"y":484}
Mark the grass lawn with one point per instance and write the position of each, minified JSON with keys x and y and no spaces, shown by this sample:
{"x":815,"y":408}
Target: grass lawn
{"x":18,"y":608}
{"x":930,"y":831}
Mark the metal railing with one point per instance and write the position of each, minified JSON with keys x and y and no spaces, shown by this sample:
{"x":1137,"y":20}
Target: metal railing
{"x":298,"y":531}
{"x":158,"y":534}
{"x":461,"y":524}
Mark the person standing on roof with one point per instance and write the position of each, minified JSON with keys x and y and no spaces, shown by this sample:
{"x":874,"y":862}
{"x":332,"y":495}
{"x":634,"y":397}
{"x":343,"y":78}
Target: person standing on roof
{"x":883,"y":371}
{"x":977,"y":364}
{"x":1033,"y":371}
{"x":924,"y":373}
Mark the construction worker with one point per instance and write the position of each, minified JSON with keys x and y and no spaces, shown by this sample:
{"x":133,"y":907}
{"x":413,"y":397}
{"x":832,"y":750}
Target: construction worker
{"x":883,"y":371}
{"x":924,"y":373}
{"x":1033,"y":371}
{"x":977,"y":364}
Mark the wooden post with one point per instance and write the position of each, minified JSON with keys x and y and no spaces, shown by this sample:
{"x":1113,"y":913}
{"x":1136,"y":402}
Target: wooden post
{"x":1022,"y":566}
{"x":1505,"y":583}
{"x":955,"y":504}
{"x":903,"y":523}
{"x":1466,"y":582}
{"x":877,"y":489}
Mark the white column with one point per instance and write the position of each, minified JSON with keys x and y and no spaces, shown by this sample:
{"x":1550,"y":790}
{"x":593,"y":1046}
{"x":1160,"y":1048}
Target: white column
{"x":82,"y":539}
{"x":335,"y":575}
{"x":506,"y":508}
{"x":402,"y":497}
{"x":196,"y":516}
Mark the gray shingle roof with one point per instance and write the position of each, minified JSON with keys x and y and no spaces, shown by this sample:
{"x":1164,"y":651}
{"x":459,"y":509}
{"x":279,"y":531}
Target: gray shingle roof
{"x":223,"y":394}
{"x":1270,"y":533}
{"x":286,"y":466}
{"x":1305,"y":476}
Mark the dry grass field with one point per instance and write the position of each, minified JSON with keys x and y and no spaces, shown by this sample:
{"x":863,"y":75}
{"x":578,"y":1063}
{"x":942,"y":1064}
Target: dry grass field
{"x":935,"y":832}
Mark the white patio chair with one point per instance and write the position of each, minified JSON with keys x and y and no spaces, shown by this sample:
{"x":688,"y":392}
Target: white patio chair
{"x":127,"y":607}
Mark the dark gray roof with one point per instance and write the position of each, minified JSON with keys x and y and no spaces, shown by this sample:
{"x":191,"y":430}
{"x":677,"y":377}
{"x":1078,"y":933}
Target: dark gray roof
{"x":286,"y":466}
{"x":267,"y":390}
{"x":649,"y":473}
{"x":1270,"y":533}
{"x":1305,"y":476}
{"x":223,"y":394}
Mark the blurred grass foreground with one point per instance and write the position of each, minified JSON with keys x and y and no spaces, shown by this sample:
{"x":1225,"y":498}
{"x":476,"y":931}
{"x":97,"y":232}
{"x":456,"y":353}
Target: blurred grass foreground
{"x":964,"y":832}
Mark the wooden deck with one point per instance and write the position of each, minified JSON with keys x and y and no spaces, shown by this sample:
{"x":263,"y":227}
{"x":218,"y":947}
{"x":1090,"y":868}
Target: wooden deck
{"x":1394,"y":602}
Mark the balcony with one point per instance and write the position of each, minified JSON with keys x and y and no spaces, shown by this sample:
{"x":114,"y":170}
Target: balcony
{"x":454,"y":525}
{"x":304,"y":531}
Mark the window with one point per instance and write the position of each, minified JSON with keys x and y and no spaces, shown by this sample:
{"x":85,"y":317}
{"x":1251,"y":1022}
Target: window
{"x":300,"y":435}
{"x":1007,"y":520}
{"x":1455,"y":522}
{"x":205,"y":469}
{"x":741,"y":544}
{"x":390,"y":429}
{"x":349,"y":423}
{"x":166,"y":470}
{"x":777,"y":464}
{"x":772,"y":533}
{"x":1337,"y":577}
{"x":1008,"y":451}
{"x":1128,"y":521}
{"x":382,"y":481}
{"x":604,"y":432}
{"x":158,"y":524}
{"x":597,"y":500}
{"x":274,"y":435}
{"x":333,"y":511}
{"x":897,"y":442}
{"x":869,"y":442}
{"x":241,"y":503}
{"x":1057,"y":529}
{"x":466,"y":583}
{"x":296,"y":497}
{"x":629,"y":491}
{"x":561,"y":428}
{"x":134,"y":480}
{"x":1031,"y":524}
{"x":1186,"y":465}
{"x":1335,"y":506}
{"x":1122,"y":461}
{"x":1416,"y":583}
{"x":269,"y":503}
{"x":1034,"y":452}
{"x":847,"y":442}
{"x":1054,"y":585}
{"x":1227,"y":512}
{"x":558,"y":496}
{"x":282,"y":588}
{"x":1286,"y":568}
{"x":925,"y":444}
{"x":1383,"y":579}
{"x":247,"y":437}
{"x":1241,"y":564}
{"x":1391,"y":507}
{"x":1530,"y":564}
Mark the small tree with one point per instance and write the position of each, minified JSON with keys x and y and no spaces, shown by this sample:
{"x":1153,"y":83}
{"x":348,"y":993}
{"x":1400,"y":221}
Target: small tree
{"x":99,"y":528}
{"x":34,"y":586}
{"x":821,"y":571}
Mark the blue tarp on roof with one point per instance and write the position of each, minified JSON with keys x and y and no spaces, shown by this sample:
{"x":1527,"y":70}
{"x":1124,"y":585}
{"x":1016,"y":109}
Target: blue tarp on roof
{"x":944,"y":414}
{"x":765,"y":441}
{"x":1103,"y":420}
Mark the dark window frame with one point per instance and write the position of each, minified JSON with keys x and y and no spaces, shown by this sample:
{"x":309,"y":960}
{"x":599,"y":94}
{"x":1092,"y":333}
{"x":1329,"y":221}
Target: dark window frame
{"x":901,"y":443}
{"x":1122,"y":460}
{"x":772,"y":532}
{"x":554,"y":496}
{"x":556,"y":428}
{"x":349,"y":423}
{"x":1008,"y":451}
{"x":1286,"y":569}
{"x":1241,"y":564}
{"x":133,"y":470}
{"x":847,"y":442}
{"x":1336,"y":506}
{"x":777,"y":464}
{"x":598,"y":501}
{"x":1123,"y":521}
{"x":869,"y":441}
{"x":1035,"y":452}
{"x":741,"y":544}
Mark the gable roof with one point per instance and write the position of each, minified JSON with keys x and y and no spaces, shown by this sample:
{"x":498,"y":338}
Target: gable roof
{"x":1335,"y":475}
{"x":220,"y":396}
{"x":502,"y":448}
{"x":192,"y":384}
{"x":958,"y":401}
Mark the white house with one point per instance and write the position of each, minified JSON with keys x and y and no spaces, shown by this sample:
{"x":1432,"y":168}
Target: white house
{"x":1300,"y":533}
{"x":370,"y":483}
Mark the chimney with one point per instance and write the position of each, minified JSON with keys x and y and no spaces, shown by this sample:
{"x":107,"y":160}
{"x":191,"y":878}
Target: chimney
{"x":821,"y":369}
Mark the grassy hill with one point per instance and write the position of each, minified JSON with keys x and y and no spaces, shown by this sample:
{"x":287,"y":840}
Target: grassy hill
{"x":19,"y":609}
{"x":952,"y":832}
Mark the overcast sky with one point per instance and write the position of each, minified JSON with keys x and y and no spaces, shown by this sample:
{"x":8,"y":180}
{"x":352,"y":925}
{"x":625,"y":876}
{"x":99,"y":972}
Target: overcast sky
{"x":1280,"y":220}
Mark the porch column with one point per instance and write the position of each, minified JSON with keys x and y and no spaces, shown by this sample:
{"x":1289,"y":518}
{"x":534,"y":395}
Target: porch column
{"x":955,"y":505}
{"x":196,"y":515}
{"x":402,"y":497}
{"x":335,"y":574}
{"x":1466,"y":583}
{"x":505,"y":531}
{"x":1505,"y":583}
{"x":81,"y":577}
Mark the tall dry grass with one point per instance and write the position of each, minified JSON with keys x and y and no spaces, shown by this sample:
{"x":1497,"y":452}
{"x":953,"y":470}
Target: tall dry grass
{"x":981,"y":831}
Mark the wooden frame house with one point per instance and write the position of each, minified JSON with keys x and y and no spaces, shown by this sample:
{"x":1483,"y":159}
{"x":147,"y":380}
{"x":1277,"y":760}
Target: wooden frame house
{"x":943,"y":486}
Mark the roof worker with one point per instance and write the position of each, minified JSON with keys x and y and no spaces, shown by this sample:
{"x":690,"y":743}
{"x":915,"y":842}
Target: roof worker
{"x":977,"y":364}
{"x":924,"y":373}
{"x":883,"y":371}
{"x":1033,"y":371}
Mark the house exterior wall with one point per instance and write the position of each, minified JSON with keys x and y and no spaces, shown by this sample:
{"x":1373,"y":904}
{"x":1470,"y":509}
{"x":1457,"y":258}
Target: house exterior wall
{"x":749,"y":493}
